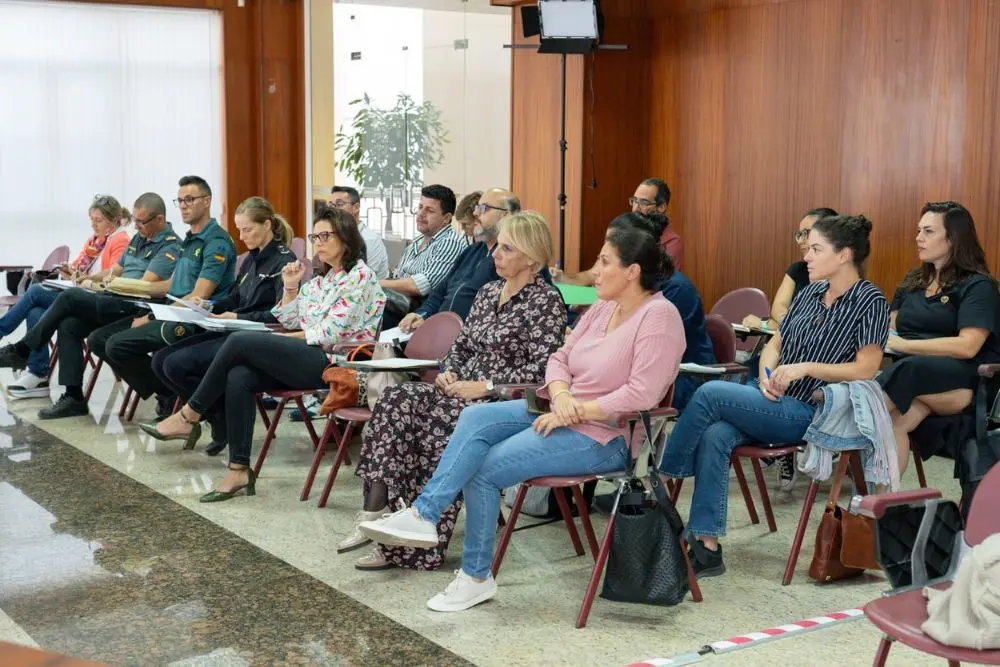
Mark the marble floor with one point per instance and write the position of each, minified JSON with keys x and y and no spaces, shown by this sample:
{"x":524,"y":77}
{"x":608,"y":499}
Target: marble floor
{"x":106,"y":554}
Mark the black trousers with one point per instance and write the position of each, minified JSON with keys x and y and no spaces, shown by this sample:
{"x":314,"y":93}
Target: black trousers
{"x":181,"y":367}
{"x":249,"y":363}
{"x":74,"y":315}
{"x":128,"y":351}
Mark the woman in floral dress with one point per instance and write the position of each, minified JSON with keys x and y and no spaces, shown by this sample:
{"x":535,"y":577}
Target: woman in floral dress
{"x":513,"y":327}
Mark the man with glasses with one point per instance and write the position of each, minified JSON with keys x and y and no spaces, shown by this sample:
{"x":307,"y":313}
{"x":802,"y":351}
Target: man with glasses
{"x":474,"y":267}
{"x":206,"y":269}
{"x":651,"y":197}
{"x":428,"y":259}
{"x":376,"y":256}
{"x":151,"y":256}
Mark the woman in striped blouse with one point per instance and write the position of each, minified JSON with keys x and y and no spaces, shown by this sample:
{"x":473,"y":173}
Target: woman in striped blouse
{"x":835,"y":331}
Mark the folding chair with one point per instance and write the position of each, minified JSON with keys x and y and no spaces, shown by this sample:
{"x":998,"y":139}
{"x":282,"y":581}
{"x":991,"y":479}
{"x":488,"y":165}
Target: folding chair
{"x":658,"y":416}
{"x":431,"y":341}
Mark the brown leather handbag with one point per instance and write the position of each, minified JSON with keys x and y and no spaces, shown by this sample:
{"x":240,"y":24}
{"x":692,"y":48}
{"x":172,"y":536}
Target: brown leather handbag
{"x":845,"y":542}
{"x":344,"y":383}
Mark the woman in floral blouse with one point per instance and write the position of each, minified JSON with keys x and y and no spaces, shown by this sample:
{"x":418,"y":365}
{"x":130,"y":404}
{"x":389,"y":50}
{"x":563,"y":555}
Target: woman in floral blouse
{"x":342,"y":306}
{"x":513,"y":327}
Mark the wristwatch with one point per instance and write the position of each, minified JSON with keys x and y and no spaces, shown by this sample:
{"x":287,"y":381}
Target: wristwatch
{"x":490,"y":388}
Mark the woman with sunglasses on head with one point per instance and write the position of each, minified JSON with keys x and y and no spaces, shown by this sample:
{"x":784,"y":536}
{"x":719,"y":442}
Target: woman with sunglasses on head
{"x":834,"y":331}
{"x":343,"y":305}
{"x":101,"y":251}
{"x":944,"y":316}
{"x":258,"y":287}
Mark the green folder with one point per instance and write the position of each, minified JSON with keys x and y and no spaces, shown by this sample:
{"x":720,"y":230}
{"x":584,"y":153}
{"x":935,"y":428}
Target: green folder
{"x":576,"y":295}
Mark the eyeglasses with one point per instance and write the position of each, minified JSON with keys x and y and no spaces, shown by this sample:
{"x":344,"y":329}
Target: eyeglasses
{"x":142,"y":223}
{"x":320,"y":237}
{"x":187,"y":201}
{"x":802,"y":234}
{"x":482,"y":208}
{"x":341,"y":203}
{"x":636,"y":201}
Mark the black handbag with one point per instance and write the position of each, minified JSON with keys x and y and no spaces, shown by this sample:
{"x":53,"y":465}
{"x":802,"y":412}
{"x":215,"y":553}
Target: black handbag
{"x":646,"y":563}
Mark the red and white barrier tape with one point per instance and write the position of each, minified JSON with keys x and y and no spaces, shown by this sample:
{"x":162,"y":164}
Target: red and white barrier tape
{"x":757,"y":638}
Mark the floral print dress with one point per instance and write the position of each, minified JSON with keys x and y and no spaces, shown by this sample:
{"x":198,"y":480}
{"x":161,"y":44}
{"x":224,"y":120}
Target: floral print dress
{"x":412,"y":422}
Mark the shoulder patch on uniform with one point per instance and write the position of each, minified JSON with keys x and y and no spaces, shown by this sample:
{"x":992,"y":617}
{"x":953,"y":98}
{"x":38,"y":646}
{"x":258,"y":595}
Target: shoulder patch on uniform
{"x":197,"y":252}
{"x":170,"y":237}
{"x":149,"y":254}
{"x":219,"y":258}
{"x":170,"y":256}
{"x":284,"y":251}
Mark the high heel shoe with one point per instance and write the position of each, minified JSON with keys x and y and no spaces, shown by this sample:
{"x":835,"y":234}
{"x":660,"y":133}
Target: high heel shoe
{"x":190,"y":440}
{"x":218,"y":496}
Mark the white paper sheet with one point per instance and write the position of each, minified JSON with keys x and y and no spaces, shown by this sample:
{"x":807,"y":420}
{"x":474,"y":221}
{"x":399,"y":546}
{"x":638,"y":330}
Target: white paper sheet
{"x":175,"y":314}
{"x":190,"y":305}
{"x":390,"y":335}
{"x":59,"y":283}
{"x":213,"y":324}
{"x":698,"y":368}
{"x":396,"y":364}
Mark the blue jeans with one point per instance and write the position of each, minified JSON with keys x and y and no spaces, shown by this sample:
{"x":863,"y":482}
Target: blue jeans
{"x":31,"y":306}
{"x":492,"y":447}
{"x":719,"y":417}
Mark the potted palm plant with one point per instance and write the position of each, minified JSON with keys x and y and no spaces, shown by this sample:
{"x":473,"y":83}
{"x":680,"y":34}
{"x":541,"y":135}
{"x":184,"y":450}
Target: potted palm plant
{"x":389,"y":148}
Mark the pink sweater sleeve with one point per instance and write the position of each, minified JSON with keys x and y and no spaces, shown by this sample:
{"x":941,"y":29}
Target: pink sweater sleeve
{"x":558,"y":366}
{"x":114,"y":249}
{"x":656,"y":357}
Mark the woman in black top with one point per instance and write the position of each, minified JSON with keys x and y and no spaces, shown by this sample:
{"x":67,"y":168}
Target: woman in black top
{"x":258,"y":287}
{"x":834,"y":331}
{"x":945,"y":313}
{"x":796,"y":276}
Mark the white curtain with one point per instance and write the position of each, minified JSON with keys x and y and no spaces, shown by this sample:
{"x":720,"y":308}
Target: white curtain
{"x":100,"y":99}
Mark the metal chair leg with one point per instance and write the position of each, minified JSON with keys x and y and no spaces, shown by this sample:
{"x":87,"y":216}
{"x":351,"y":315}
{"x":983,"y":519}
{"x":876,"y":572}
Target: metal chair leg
{"x":269,"y":438}
{"x":515,"y":511}
{"x":747,"y":498}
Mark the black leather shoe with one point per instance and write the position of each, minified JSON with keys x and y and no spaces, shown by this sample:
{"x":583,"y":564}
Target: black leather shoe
{"x":11,"y":358}
{"x":66,"y":406}
{"x":215,"y":448}
{"x":164,"y":406}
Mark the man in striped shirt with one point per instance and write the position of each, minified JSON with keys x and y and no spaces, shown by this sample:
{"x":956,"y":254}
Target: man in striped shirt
{"x":428,"y":260}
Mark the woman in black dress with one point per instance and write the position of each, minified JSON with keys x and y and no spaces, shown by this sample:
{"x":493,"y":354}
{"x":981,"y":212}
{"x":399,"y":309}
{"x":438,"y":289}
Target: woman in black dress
{"x":515,"y":324}
{"x":944,"y":321}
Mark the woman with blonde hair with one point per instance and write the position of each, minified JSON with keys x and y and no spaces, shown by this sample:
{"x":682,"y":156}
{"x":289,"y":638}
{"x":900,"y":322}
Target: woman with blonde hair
{"x":514,"y":325}
{"x":101,"y":251}
{"x":267,"y":236}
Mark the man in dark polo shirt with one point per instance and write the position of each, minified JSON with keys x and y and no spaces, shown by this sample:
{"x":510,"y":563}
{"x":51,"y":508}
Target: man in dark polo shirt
{"x":151,"y":257}
{"x":206,"y":268}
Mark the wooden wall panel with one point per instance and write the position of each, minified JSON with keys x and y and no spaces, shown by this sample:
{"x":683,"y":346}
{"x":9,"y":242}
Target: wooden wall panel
{"x":759,"y":113}
{"x":535,"y":126}
{"x":264,"y":101}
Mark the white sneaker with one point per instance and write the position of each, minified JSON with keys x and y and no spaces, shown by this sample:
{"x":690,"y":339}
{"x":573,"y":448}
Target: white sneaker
{"x":464,"y":592}
{"x":404,"y":528}
{"x":29,"y":385}
{"x":357,"y":538}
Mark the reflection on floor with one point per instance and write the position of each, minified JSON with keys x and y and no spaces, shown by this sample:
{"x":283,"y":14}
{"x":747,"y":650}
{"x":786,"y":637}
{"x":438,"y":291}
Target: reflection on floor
{"x":111,"y":557}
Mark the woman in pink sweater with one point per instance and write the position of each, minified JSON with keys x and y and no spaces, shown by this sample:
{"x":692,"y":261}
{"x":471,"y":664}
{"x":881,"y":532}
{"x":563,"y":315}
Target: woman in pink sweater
{"x":622,"y":356}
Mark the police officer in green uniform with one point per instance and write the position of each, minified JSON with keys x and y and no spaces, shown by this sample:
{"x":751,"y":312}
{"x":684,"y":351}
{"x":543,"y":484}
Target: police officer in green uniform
{"x":151,"y":256}
{"x":206,"y":268}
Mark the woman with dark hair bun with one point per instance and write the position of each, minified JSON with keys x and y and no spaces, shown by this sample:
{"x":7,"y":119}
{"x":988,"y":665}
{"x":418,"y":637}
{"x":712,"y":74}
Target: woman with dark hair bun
{"x":944,"y":321}
{"x":835,"y":331}
{"x":622,"y":356}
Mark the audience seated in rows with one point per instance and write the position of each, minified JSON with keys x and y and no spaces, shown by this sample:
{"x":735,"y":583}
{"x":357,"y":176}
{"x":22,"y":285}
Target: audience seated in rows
{"x":651,"y":197}
{"x":342,"y":306}
{"x":376,"y":256}
{"x":181,"y":366}
{"x":622,"y":356}
{"x":103,"y":250}
{"x":944,"y":321}
{"x":151,"y":256}
{"x":513,"y":327}
{"x":426,"y":261}
{"x":835,"y":331}
{"x":206,"y":269}
{"x":474,"y":267}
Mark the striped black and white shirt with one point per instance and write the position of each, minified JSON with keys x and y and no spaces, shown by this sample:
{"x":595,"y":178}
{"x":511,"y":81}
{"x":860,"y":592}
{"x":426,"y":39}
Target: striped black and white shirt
{"x":813,"y":333}
{"x":429,"y":260}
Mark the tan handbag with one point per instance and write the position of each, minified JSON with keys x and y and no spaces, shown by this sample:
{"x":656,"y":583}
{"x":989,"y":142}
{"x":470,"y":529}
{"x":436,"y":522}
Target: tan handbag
{"x":381,"y":380}
{"x":845,"y":542}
